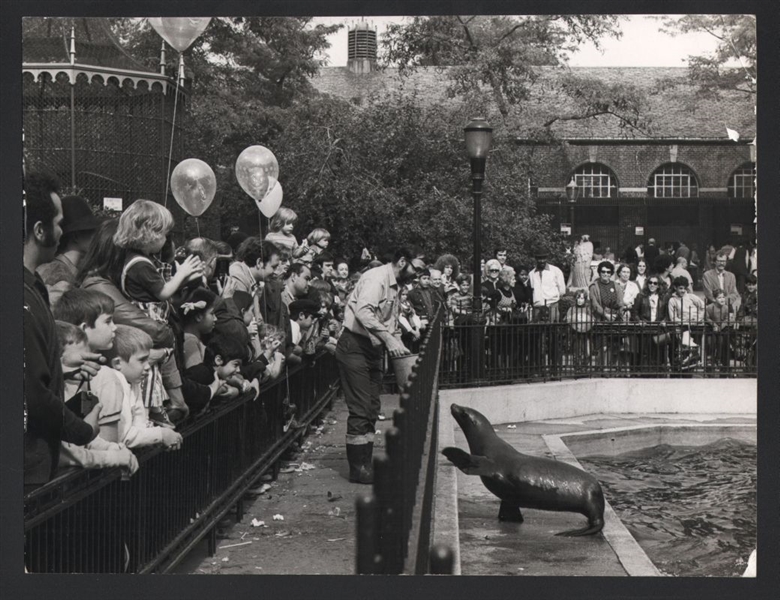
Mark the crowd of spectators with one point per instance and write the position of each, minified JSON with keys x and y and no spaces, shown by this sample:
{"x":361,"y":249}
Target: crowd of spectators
{"x":127,"y":335}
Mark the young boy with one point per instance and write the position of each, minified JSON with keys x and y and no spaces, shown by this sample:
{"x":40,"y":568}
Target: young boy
{"x":128,"y":360}
{"x":719,"y":315}
{"x":302,"y":317}
{"x":422,"y":299}
{"x":99,"y":453}
{"x":93,"y":312}
{"x":748,"y":308}
{"x":224,"y":357}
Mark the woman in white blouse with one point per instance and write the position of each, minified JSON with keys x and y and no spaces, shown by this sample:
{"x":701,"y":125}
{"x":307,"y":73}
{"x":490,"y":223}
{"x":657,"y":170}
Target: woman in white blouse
{"x":641,"y":274}
{"x":630,"y":289}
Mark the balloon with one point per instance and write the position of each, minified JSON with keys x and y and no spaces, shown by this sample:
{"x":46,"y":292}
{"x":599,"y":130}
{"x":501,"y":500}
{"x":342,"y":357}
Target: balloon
{"x":271,"y":203}
{"x":193,"y":185}
{"x":179,"y":32}
{"x":257,"y":171}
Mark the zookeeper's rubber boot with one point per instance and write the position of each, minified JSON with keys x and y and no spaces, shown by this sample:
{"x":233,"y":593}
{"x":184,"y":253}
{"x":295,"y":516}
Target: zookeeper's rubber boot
{"x":359,"y":471}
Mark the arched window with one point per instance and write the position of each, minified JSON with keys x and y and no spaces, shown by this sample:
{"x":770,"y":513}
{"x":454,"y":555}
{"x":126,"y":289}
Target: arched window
{"x":595,"y":180}
{"x":742,"y":183}
{"x":673,"y":181}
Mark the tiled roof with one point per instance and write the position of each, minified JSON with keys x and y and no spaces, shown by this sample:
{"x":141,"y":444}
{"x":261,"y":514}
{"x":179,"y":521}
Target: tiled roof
{"x":674,"y":111}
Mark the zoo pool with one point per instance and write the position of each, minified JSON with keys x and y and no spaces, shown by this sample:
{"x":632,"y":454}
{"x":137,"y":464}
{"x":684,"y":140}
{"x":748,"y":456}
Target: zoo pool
{"x":692,"y":509}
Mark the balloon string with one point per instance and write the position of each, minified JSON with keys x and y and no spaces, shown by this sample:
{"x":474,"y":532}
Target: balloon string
{"x":197,"y":226}
{"x":173,"y":128}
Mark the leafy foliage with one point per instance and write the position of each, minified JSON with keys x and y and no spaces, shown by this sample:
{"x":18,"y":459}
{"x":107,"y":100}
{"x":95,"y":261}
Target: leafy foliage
{"x":732,"y":66}
{"x":502,"y":54}
{"x":390,"y":172}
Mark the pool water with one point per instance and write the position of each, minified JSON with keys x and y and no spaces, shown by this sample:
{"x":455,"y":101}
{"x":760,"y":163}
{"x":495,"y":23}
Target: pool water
{"x":691,"y":509}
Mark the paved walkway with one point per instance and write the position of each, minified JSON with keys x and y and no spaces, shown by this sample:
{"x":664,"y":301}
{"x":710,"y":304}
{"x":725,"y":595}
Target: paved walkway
{"x":317,"y":504}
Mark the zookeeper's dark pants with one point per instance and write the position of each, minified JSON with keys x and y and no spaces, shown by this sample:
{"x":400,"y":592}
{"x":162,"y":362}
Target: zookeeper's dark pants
{"x":360,"y":368}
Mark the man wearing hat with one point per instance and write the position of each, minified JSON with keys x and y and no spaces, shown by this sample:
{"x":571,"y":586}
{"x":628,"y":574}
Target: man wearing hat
{"x":548,"y":286}
{"x":78,"y":228}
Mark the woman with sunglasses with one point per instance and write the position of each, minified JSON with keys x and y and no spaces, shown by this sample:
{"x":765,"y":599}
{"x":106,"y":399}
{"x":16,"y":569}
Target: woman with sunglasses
{"x":650,"y":307}
{"x":606,"y":297}
{"x":606,"y":302}
{"x":491,"y":282}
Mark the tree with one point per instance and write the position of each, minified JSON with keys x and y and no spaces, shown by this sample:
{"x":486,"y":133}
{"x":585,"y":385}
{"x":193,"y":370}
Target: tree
{"x":732,"y":66}
{"x":388,"y":173}
{"x":395,"y":172}
{"x":504,"y":56}
{"x":245,"y":73}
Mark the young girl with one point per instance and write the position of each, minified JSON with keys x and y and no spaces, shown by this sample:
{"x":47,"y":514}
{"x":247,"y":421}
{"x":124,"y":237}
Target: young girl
{"x":198,"y":320}
{"x":315,"y":244}
{"x":142,"y":232}
{"x":408,"y":320}
{"x":641,"y":273}
{"x":581,"y":320}
{"x":281,"y":231}
{"x":272,"y":340}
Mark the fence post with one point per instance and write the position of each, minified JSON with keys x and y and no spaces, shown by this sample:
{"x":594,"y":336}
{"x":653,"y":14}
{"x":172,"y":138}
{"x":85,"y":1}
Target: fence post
{"x":367,"y":558}
{"x":442,"y":560}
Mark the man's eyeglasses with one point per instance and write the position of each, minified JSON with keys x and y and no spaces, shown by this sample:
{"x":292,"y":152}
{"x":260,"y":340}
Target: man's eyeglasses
{"x":652,"y":283}
{"x":494,"y":271}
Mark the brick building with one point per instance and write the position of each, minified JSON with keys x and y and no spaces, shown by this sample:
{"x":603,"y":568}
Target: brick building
{"x":680,"y":178}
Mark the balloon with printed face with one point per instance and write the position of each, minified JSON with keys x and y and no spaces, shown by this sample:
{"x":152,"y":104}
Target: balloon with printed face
{"x":273,"y":200}
{"x":257,"y":171}
{"x":179,"y":32}
{"x":193,"y":185}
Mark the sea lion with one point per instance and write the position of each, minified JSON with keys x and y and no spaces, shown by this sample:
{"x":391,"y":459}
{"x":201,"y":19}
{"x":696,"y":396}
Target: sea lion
{"x":523,"y":481}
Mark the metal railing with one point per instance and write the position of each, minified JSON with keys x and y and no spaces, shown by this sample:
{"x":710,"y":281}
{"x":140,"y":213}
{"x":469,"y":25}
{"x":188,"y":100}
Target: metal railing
{"x":530,"y":352}
{"x":93,"y":521}
{"x":394,"y":524}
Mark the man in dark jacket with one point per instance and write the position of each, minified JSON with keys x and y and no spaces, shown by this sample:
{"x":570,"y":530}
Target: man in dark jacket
{"x":47,"y":421}
{"x":651,"y":253}
{"x":740,"y":265}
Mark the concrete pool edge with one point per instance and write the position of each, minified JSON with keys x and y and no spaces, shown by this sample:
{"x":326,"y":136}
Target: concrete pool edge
{"x":628,"y":551}
{"x":734,"y":397}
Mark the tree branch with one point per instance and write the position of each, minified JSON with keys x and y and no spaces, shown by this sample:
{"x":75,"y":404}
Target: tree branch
{"x":508,"y":33}
{"x":597,"y":113}
{"x":468,"y":33}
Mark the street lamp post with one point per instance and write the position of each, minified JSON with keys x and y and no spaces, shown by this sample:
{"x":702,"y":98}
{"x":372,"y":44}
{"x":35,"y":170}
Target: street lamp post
{"x":478,"y":135}
{"x":572,"y":192}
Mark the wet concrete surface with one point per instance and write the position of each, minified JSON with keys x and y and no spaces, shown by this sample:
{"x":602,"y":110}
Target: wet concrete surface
{"x":491,"y":547}
{"x":317,"y":503}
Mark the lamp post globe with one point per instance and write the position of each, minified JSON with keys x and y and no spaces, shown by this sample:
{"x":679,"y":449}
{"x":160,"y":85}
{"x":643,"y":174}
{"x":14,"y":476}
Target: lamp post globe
{"x":479,"y":135}
{"x":572,"y":190}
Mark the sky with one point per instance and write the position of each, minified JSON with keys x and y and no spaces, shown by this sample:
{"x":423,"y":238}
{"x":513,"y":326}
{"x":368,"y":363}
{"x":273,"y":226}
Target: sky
{"x":642,"y":44}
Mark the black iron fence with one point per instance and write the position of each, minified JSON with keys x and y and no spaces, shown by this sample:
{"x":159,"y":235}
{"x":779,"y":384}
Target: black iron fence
{"x":527,"y":352}
{"x":95,"y":522}
{"x":394,"y":524}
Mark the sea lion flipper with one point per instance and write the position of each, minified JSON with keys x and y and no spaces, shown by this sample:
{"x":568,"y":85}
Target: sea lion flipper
{"x":470,"y":464}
